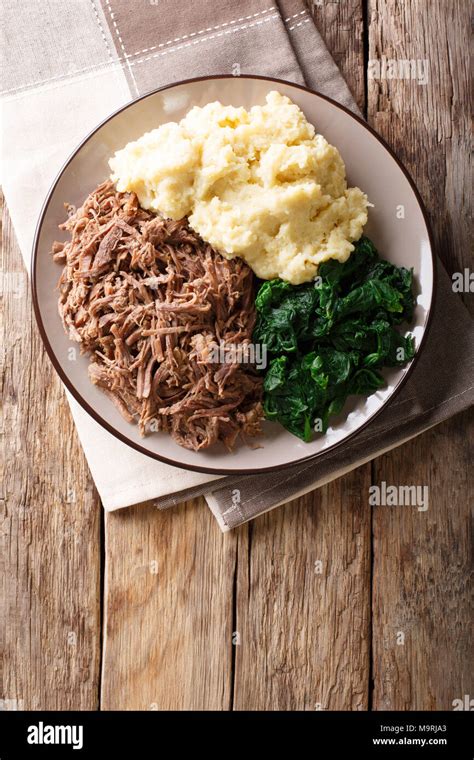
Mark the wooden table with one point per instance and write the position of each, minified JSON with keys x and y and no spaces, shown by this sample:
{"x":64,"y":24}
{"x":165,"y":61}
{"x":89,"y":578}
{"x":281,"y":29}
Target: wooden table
{"x":325,"y":603}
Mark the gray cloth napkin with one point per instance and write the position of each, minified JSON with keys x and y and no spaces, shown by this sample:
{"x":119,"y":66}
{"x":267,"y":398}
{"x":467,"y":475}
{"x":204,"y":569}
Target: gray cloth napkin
{"x":69,"y":65}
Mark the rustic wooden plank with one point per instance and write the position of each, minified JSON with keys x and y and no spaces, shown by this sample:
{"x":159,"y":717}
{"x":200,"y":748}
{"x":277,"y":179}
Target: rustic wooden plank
{"x":421,"y":642}
{"x":341,"y":24}
{"x":428,"y":126}
{"x":422,"y":639}
{"x":303,"y":603}
{"x":50,"y":564}
{"x":304,"y":627}
{"x":168,"y":610}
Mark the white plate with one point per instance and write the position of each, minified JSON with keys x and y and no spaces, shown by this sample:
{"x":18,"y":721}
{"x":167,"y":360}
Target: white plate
{"x":370,"y":165}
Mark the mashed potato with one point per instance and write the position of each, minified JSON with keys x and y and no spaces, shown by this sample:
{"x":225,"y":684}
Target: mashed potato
{"x":258,"y":184}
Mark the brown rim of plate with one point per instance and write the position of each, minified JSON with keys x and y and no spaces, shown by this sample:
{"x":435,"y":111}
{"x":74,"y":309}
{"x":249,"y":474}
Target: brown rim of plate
{"x":136,"y":446}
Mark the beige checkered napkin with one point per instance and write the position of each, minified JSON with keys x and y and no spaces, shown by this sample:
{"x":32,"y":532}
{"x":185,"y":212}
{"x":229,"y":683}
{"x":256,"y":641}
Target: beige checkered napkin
{"x":68,"y":66}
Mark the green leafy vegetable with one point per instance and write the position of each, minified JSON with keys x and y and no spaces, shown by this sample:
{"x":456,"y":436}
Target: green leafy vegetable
{"x":328,"y":340}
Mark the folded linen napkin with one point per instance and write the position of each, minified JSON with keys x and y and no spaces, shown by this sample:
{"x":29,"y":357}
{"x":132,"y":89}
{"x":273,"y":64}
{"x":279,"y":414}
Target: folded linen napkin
{"x":69,"y":65}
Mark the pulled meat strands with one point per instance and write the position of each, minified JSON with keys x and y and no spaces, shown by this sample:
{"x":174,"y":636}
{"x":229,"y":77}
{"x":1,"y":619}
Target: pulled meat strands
{"x":148,"y":300}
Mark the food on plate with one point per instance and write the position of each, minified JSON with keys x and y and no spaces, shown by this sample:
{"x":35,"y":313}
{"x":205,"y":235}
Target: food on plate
{"x":148,"y":301}
{"x":160,"y":287}
{"x":328,"y":340}
{"x":257,"y":184}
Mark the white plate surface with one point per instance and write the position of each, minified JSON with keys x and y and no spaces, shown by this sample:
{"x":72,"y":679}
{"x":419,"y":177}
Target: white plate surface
{"x":404,"y":241}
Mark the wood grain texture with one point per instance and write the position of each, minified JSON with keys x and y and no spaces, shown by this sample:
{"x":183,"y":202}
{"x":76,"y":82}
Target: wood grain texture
{"x":303,"y":603}
{"x":428,"y":125}
{"x":422,"y":559}
{"x":168,"y":610}
{"x":422,"y":600}
{"x":341,"y":24}
{"x":50,"y":558}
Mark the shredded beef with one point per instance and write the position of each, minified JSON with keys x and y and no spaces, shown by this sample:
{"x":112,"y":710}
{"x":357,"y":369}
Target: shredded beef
{"x":148,"y":300}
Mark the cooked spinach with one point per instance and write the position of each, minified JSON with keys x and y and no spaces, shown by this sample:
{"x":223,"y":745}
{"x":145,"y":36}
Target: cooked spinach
{"x":327,"y":340}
